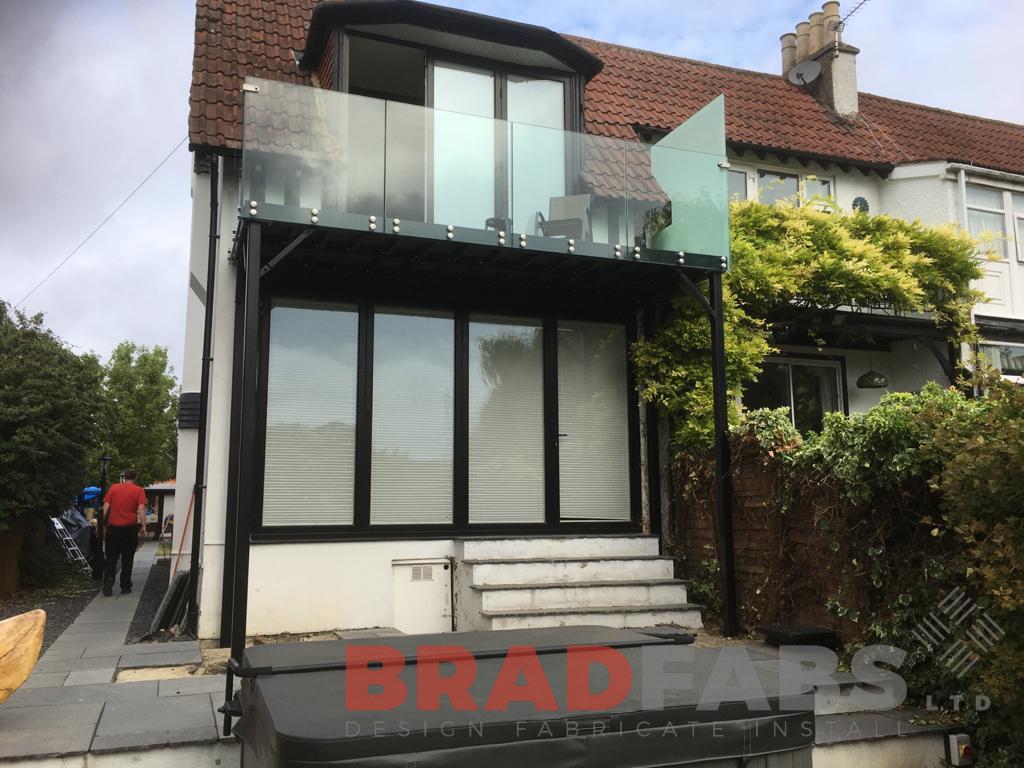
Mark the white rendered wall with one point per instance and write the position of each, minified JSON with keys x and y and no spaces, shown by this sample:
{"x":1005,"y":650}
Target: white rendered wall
{"x":908,"y":366}
{"x":191,"y":365}
{"x":322,"y":586}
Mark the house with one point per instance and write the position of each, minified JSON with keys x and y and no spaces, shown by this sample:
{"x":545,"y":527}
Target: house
{"x":422,"y":240}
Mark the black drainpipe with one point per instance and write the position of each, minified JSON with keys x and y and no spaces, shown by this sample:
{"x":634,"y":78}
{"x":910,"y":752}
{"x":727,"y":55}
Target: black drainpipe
{"x":192,"y":621}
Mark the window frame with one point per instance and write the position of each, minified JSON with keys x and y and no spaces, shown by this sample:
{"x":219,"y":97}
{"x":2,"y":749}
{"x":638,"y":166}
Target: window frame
{"x":992,"y":343}
{"x":1011,"y":242}
{"x":838,"y":362}
{"x":362,"y":527}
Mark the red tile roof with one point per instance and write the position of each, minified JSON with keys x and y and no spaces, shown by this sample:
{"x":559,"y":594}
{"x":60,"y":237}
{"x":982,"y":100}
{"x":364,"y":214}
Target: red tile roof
{"x":235,"y":38}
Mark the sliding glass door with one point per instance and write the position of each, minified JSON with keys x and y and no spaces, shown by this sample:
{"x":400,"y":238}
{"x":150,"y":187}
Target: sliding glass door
{"x":506,"y":420}
{"x":413,"y":418}
{"x":593,"y":439}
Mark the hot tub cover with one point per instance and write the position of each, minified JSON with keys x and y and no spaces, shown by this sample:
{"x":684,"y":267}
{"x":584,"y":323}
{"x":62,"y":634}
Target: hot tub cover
{"x":301,"y":719}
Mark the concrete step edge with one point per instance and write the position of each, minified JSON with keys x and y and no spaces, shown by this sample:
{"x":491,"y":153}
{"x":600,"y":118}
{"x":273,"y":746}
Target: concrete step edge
{"x":656,"y":608}
{"x":577,"y":584}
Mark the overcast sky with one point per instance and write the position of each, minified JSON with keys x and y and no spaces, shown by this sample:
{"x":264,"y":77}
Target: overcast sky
{"x":95,"y":92}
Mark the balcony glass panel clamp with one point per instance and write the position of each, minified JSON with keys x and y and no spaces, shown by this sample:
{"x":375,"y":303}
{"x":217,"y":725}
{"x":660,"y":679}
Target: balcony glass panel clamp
{"x":395,"y":225}
{"x":682,"y":258}
{"x":373,"y":223}
{"x":314,"y":216}
{"x":501,"y":237}
{"x":522,"y":240}
{"x":636,"y":252}
{"x":252,"y":208}
{"x":572,"y":245}
{"x":451,"y":232}
{"x":618,"y":251}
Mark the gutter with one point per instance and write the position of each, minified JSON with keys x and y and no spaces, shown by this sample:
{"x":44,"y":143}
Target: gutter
{"x":976,"y":170}
{"x":199,"y":489}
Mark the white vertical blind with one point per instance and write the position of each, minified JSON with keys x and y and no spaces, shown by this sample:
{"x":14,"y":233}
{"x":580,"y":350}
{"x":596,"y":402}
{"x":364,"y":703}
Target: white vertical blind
{"x":413,"y":418}
{"x":311,"y":414}
{"x":592,"y":421}
{"x":506,"y":421}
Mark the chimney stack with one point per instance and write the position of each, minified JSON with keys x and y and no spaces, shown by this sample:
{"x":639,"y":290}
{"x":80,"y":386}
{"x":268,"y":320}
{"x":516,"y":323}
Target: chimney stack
{"x":819,"y":39}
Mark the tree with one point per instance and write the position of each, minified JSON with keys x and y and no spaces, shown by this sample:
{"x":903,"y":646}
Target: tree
{"x":50,"y":399}
{"x":139,"y":428}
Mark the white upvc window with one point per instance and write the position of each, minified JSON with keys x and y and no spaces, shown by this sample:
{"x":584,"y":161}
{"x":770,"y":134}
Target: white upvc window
{"x":990,"y":219}
{"x":996,"y":218}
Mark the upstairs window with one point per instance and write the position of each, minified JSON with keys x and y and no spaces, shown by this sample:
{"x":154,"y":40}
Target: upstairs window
{"x":986,"y":219}
{"x":1008,"y":359}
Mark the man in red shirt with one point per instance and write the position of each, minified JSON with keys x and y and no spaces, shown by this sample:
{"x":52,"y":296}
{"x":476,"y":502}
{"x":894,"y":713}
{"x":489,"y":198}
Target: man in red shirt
{"x":124,"y":513}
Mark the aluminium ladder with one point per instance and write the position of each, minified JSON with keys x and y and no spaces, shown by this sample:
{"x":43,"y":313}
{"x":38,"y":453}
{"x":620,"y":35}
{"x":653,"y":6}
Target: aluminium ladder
{"x":71,"y":549}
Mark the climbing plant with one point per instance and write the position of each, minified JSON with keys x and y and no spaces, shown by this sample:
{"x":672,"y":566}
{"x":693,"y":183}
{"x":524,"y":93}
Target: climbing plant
{"x":794,"y":267}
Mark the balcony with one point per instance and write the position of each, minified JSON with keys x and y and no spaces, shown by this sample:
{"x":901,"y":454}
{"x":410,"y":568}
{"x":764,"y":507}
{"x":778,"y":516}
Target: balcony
{"x":324,"y":159}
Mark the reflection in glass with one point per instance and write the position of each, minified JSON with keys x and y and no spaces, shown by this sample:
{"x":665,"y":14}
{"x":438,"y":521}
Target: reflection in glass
{"x":737,"y":185}
{"x":592,"y":421}
{"x":311,"y":411}
{"x":773,"y":187}
{"x":506,"y":421}
{"x":464,"y":159}
{"x":815,"y":393}
{"x":413,"y":426}
{"x":771,"y":390}
{"x":536,"y":111}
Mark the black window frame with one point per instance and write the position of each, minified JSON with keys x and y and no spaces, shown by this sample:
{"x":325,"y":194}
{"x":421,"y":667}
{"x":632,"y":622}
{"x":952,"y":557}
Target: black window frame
{"x":362,"y":527}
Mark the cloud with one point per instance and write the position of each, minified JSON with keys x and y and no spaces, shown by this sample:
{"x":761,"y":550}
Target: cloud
{"x":94,"y":94}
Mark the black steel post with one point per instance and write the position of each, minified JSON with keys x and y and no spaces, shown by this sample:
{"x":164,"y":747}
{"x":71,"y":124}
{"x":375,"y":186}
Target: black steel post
{"x":227,"y":587}
{"x":723,"y":476}
{"x":246,"y":454}
{"x":199,"y":486}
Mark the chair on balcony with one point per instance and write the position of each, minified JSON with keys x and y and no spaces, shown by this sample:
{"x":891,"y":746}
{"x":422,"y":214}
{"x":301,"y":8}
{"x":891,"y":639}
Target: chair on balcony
{"x":568,"y":216}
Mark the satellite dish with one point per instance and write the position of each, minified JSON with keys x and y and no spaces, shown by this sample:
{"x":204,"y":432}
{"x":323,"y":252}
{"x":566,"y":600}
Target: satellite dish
{"x":804,"y":73}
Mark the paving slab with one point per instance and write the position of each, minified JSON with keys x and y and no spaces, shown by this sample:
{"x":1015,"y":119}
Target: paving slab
{"x":171,"y":659}
{"x":91,"y":676}
{"x":83,"y":627}
{"x":140,"y":649}
{"x":48,"y":731}
{"x":191,"y":685}
{"x":62,"y":653}
{"x":83,"y":694}
{"x":73,"y":665}
{"x":155,"y":722}
{"x":44,"y":680}
{"x":85,"y":639}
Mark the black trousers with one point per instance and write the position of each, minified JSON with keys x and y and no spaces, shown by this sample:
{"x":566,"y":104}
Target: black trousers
{"x":122,"y":541}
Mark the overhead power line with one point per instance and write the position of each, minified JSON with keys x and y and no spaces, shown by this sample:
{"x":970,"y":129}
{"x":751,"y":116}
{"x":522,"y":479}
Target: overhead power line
{"x":99,"y":226}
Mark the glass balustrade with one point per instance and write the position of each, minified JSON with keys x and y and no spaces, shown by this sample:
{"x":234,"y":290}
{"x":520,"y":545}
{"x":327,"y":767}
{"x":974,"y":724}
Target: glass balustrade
{"x":339,"y":160}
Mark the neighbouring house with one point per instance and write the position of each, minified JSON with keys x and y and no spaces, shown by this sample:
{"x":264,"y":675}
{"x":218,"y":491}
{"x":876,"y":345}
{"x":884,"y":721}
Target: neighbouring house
{"x":433,"y":235}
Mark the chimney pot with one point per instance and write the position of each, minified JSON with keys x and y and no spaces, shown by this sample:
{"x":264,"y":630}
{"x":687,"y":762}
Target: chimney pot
{"x":788,"y":52}
{"x":803,"y":31}
{"x":830,"y":11}
{"x":817,"y":37}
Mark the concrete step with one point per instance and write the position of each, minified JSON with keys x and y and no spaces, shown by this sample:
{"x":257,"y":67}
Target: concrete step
{"x":567,"y":569}
{"x":497,"y":597}
{"x":685,"y":615}
{"x":532,"y":547}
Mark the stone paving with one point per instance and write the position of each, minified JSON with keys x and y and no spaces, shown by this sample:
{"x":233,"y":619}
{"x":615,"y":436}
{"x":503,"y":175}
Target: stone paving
{"x":71,"y":705}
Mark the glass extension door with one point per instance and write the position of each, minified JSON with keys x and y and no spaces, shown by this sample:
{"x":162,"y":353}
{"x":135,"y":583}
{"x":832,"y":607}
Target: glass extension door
{"x":593,"y":429}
